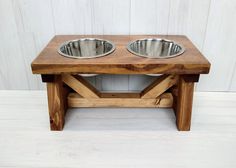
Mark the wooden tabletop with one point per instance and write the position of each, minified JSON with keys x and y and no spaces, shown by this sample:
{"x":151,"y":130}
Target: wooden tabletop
{"x":121,"y":61}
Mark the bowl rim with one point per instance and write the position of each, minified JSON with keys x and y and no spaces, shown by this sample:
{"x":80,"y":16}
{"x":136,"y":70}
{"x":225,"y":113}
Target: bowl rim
{"x":85,"y":39}
{"x":155,"y":39}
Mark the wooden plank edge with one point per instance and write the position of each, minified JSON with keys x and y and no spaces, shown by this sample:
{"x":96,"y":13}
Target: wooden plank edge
{"x":163,"y":101}
{"x":159,"y":86}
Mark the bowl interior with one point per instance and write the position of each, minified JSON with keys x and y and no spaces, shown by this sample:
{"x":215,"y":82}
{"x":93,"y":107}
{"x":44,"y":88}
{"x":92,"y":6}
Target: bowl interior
{"x":155,"y":48}
{"x":86,"y":48}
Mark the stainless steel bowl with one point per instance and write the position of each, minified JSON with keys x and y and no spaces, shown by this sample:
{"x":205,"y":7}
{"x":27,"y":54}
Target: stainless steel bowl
{"x":155,"y":75}
{"x":155,"y":48}
{"x":88,"y":75}
{"x":86,"y":48}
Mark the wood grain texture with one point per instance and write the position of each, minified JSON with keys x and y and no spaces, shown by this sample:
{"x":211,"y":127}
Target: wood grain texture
{"x":56,"y":103}
{"x":219,"y":46}
{"x":33,"y":31}
{"x":165,"y":100}
{"x":28,"y":50}
{"x":185,"y":18}
{"x":12,"y":64}
{"x":121,"y":137}
{"x":111,"y":17}
{"x":184,"y":104}
{"x":197,"y":21}
{"x":178,"y":16}
{"x":159,"y":86}
{"x":120,"y":95}
{"x":155,"y":21}
{"x":174,"y":91}
{"x":75,"y":14}
{"x":23,"y":21}
{"x":31,"y":18}
{"x":121,"y":61}
{"x":81,"y":86}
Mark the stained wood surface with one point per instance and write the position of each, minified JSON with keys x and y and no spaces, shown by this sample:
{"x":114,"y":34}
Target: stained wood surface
{"x":120,"y":61}
{"x":120,"y":95}
{"x":75,"y":100}
{"x":56,"y":103}
{"x":184,"y":104}
{"x":159,"y":86}
{"x":81,"y":86}
{"x":22,"y":23}
{"x":174,"y":91}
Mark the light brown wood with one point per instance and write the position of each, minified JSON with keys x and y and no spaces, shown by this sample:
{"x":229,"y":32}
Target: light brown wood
{"x":81,"y":86}
{"x":188,"y":66}
{"x":184,"y":104}
{"x":56,"y":103}
{"x":159,"y":86}
{"x":120,"y":61}
{"x":75,"y":100}
{"x":120,"y":95}
{"x":174,"y":91}
{"x":65,"y":92}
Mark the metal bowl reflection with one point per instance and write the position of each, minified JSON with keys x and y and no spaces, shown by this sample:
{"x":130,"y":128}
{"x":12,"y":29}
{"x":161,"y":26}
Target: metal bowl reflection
{"x":155,"y":48}
{"x":86,"y":48}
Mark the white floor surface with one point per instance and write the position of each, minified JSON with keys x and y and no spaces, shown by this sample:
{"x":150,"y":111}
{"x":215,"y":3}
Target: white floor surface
{"x":116,"y":137}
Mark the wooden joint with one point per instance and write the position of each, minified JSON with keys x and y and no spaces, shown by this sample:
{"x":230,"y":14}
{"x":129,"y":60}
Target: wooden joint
{"x":81,"y":86}
{"x":159,"y":86}
{"x":48,"y":78}
{"x":191,"y":78}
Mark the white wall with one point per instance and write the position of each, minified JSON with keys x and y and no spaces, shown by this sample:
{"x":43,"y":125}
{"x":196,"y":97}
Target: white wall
{"x":26,"y":26}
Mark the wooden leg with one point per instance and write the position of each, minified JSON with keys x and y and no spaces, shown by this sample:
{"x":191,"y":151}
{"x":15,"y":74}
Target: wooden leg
{"x":184,"y":103}
{"x":155,"y":95}
{"x":57,"y":104}
{"x":174,"y":91}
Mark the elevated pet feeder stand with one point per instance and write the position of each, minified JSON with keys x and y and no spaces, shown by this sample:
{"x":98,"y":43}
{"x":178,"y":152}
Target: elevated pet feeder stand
{"x":174,"y":89}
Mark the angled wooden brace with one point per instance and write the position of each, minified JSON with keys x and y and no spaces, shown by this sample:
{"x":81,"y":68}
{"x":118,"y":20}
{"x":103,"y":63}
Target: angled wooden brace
{"x":159,"y":86}
{"x":81,"y":86}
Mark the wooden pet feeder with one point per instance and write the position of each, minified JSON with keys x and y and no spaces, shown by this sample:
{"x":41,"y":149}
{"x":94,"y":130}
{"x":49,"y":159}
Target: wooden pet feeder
{"x":173,"y":89}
